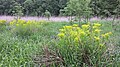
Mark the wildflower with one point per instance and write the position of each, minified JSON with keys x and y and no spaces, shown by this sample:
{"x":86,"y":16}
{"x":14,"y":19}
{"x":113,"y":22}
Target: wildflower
{"x":101,"y":45}
{"x":67,"y":27}
{"x":17,"y":24}
{"x":85,"y":26}
{"x":94,"y":27}
{"x":106,"y":35}
{"x":75,"y":34}
{"x":103,"y":35}
{"x":61,"y":30}
{"x":71,"y":33}
{"x":76,"y":39}
{"x":29,"y":22}
{"x":2,"y":21}
{"x":11,"y":23}
{"x":24,"y":24}
{"x":97,"y":38}
{"x":78,"y":28}
{"x":82,"y":33}
{"x":61,"y":35}
{"x":88,"y":32}
{"x":110,"y":33}
{"x":97,"y":24}
{"x":97,"y":31}
{"x":75,"y":25}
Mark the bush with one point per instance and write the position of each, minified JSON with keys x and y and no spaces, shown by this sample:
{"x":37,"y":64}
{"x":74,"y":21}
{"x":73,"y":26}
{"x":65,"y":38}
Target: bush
{"x":83,"y":46}
{"x":24,"y":28}
{"x":2,"y":25}
{"x":2,"y":22}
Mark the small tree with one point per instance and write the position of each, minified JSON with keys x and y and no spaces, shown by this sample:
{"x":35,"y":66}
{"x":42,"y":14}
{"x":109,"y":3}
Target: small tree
{"x":17,"y":10}
{"x":47,"y":14}
{"x":78,"y":8}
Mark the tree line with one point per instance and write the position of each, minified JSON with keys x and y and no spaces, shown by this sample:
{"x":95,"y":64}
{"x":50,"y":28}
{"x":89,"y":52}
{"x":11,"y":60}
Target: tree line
{"x":107,"y":8}
{"x":31,"y":7}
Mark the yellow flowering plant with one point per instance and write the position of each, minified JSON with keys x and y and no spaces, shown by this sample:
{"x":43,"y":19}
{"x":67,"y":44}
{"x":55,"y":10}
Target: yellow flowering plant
{"x":24,"y":28}
{"x":3,"y":24}
{"x":85,"y":41}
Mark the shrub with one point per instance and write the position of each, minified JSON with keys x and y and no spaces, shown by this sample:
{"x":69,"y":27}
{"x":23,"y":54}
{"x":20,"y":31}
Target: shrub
{"x":83,"y":46}
{"x":2,"y":25}
{"x":24,"y":28}
{"x":2,"y":22}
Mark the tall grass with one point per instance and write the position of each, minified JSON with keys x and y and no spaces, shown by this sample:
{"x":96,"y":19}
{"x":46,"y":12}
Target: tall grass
{"x":17,"y":48}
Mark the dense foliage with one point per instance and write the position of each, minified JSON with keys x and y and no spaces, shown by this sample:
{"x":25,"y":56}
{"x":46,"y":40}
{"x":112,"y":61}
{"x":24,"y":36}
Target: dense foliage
{"x":107,"y":8}
{"x":32,"y":7}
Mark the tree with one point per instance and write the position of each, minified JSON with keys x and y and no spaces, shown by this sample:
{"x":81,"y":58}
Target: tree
{"x":105,"y":8}
{"x":47,"y":14}
{"x":5,"y":7}
{"x":28,"y":5}
{"x":17,"y":10}
{"x":78,"y":8}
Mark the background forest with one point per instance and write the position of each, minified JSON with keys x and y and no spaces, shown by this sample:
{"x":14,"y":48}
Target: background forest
{"x":106,"y":8}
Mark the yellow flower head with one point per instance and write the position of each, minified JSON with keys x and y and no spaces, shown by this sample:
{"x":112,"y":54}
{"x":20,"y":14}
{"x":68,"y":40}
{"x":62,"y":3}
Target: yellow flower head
{"x":101,"y":45}
{"x":67,"y":27}
{"x":97,"y":31}
{"x":110,"y":33}
{"x":24,"y":24}
{"x":82,"y":33}
{"x":17,"y":24}
{"x":85,"y":26}
{"x":95,"y":27}
{"x":107,"y":34}
{"x":2,"y":21}
{"x":21,"y":21}
{"x":61,"y":35}
{"x":103,"y":35}
{"x":29,"y":22}
{"x":11,"y":23}
{"x":78,"y":28}
{"x":76,"y":39}
{"x":97,"y":38}
{"x":71,"y":33}
{"x":75,"y":33}
{"x":97,"y":24}
{"x":75,"y":25}
{"x":61,"y":30}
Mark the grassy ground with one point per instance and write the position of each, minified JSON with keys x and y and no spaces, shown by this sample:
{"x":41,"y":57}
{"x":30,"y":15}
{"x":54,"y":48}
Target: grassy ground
{"x":16,"y":51}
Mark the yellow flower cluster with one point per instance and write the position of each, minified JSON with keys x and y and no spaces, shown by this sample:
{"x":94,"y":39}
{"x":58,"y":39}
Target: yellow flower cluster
{"x":61,"y":34}
{"x":97,"y":30}
{"x":106,"y":35}
{"x":2,"y":22}
{"x":84,"y":33}
{"x":73,"y":32}
{"x":23,"y":23}
{"x":85,"y":26}
{"x":97,"y":38}
{"x":96,"y":25}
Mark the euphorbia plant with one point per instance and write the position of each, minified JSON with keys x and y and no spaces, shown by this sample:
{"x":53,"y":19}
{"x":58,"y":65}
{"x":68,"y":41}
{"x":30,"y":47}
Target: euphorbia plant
{"x":82,"y":45}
